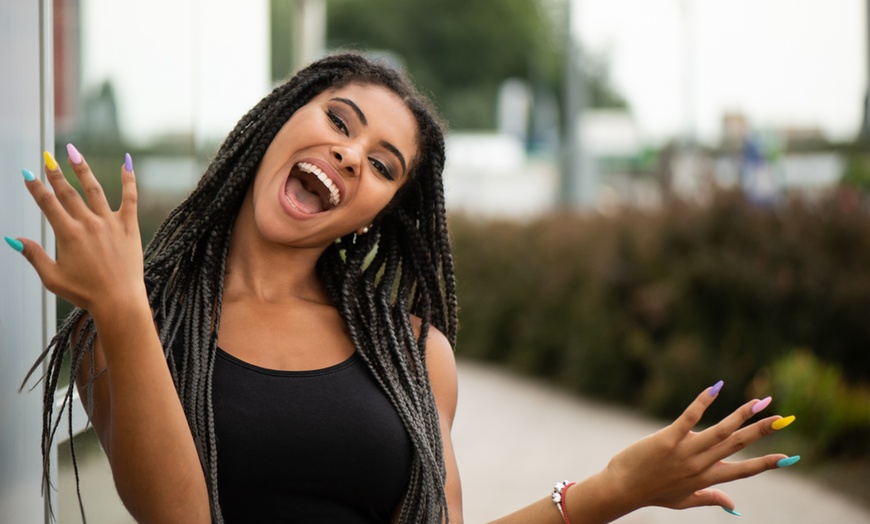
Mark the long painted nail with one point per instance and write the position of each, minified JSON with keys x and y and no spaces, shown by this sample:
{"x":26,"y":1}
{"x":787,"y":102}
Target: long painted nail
{"x":75,"y":158}
{"x":128,"y":162}
{"x":761,"y":404}
{"x":786,"y":462}
{"x":783,"y":422}
{"x":50,"y":162}
{"x":731,"y":511}
{"x":15,"y":244}
{"x":716,"y":387}
{"x":28,"y":176}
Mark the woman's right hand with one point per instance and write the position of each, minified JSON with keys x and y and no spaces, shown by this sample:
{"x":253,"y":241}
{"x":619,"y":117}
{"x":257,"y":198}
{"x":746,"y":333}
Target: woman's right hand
{"x":99,"y":251}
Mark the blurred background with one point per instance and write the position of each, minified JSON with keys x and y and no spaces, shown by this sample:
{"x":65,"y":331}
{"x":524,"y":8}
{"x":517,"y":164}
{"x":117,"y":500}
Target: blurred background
{"x":646,"y":195}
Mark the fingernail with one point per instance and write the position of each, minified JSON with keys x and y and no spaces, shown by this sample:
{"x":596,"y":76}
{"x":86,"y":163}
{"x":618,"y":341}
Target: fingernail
{"x":731,"y":511}
{"x":15,"y":244}
{"x":783,"y":422}
{"x":761,"y":404}
{"x":50,"y":162}
{"x":716,"y":387}
{"x":128,"y":162}
{"x":75,"y":158}
{"x":786,"y":462}
{"x":28,"y":176}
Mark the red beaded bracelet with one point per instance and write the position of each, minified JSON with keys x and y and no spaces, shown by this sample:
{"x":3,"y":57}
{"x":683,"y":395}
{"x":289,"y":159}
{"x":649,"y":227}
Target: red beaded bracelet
{"x":560,"y":492}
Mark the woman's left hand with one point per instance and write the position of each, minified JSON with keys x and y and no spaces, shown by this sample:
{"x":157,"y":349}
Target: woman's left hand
{"x":676,"y":466}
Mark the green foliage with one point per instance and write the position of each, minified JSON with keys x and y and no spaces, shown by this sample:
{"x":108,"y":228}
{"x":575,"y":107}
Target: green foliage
{"x":834,"y":416}
{"x":457,"y":50}
{"x":651,"y":307}
{"x":857,"y":172}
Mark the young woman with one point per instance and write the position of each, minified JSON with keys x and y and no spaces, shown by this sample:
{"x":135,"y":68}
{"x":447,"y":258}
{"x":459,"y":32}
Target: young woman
{"x":285,"y":352}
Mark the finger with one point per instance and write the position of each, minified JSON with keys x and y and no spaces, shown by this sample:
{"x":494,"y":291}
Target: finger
{"x":730,"y":471}
{"x":65,"y":193}
{"x":46,"y":200}
{"x":725,"y":429}
{"x":746,"y":436}
{"x":129,"y":193}
{"x":44,"y":265}
{"x":705,"y":497}
{"x":692,"y":415}
{"x":92,"y":189}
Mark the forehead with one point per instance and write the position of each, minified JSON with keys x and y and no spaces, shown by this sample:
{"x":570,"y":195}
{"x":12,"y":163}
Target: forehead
{"x":386,"y":114}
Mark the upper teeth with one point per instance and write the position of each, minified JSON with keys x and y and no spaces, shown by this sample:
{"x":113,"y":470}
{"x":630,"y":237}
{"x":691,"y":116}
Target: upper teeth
{"x":334,"y":195}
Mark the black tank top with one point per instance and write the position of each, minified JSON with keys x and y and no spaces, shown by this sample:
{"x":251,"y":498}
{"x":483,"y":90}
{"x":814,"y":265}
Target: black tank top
{"x":317,"y":446}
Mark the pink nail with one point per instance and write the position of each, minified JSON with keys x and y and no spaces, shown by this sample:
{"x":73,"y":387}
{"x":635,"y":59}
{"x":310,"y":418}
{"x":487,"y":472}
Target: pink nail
{"x":75,"y":157}
{"x":761,"y":404}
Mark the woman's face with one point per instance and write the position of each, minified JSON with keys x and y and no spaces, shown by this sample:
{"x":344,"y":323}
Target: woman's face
{"x":333,"y":166}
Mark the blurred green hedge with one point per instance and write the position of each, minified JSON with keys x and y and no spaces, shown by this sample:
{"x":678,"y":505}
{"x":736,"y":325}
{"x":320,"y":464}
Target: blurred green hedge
{"x":651,"y":307}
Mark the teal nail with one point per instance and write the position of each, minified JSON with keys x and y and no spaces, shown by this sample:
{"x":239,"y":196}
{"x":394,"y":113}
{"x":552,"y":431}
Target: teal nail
{"x":15,"y":244}
{"x":786,"y":462}
{"x":28,"y":176}
{"x":731,"y":511}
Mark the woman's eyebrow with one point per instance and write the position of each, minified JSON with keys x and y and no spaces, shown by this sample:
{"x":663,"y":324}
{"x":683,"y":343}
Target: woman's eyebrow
{"x":362,"y":118}
{"x":356,"y":109}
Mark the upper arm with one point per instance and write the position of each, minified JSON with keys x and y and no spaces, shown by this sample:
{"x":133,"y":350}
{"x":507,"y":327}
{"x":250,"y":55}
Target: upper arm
{"x":441,"y":365}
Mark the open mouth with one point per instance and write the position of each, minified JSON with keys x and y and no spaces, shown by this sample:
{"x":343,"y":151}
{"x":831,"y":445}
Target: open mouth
{"x":309,"y":189}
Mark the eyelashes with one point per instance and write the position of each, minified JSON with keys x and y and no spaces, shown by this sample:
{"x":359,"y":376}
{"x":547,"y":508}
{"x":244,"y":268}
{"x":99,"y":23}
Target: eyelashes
{"x":339,"y":124}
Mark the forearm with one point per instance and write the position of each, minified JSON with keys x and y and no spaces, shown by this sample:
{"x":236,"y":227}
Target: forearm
{"x":587,"y":502}
{"x":149,"y":445}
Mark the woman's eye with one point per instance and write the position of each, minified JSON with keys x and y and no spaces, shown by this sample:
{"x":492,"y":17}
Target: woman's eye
{"x":381,"y":168}
{"x":337,"y":121}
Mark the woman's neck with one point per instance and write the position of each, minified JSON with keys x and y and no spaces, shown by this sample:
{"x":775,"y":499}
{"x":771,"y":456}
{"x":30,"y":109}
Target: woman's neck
{"x":261,"y":270}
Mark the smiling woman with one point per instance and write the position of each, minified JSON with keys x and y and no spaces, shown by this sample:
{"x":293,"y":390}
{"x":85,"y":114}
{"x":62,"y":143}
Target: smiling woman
{"x":284,"y":354}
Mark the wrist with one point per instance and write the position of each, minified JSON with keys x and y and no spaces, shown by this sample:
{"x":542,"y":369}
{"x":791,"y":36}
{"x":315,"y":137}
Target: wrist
{"x":596,"y":499}
{"x":120,"y":305}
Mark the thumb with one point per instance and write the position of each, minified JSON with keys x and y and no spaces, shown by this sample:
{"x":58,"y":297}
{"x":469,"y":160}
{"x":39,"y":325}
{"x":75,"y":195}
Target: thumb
{"x":33,"y":252}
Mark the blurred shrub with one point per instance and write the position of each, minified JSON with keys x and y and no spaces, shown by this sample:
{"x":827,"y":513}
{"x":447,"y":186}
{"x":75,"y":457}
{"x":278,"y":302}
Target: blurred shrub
{"x":835,"y":417}
{"x":651,"y":307}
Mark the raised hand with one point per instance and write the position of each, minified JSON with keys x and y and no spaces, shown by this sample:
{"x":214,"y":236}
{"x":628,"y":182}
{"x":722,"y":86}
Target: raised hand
{"x":676,"y":466}
{"x":99,"y":251}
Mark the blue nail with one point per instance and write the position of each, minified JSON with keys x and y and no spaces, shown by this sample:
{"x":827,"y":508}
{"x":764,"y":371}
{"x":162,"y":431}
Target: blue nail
{"x":28,"y":176}
{"x":716,"y":387}
{"x":786,"y":462}
{"x":15,"y":244}
{"x":731,"y":511}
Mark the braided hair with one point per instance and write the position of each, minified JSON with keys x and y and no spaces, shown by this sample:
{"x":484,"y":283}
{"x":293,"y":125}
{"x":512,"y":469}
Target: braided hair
{"x":403,"y":266}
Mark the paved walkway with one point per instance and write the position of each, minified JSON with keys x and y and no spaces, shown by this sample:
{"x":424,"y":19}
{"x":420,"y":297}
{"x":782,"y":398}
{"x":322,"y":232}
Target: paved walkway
{"x":515,"y":438}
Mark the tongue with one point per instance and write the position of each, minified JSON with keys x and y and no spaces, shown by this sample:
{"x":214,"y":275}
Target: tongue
{"x":305,"y":200}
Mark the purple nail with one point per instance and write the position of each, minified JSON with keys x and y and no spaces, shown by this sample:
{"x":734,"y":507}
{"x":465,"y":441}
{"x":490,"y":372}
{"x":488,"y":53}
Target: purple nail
{"x":761,"y":404}
{"x":75,"y":157}
{"x":128,"y":163}
{"x":716,"y":387}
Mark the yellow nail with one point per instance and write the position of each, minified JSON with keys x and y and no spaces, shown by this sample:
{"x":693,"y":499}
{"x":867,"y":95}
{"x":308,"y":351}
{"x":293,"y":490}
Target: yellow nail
{"x":50,"y":162}
{"x":783,"y":422}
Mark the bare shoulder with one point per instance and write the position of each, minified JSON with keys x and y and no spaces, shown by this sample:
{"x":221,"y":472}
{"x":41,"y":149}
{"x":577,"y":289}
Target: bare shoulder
{"x":441,"y":364}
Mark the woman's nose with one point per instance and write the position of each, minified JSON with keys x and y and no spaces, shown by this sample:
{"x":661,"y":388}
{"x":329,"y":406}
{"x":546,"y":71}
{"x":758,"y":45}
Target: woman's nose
{"x":348,"y":159}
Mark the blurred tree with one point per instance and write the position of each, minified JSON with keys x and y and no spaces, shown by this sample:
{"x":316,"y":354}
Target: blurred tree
{"x":459,"y":51}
